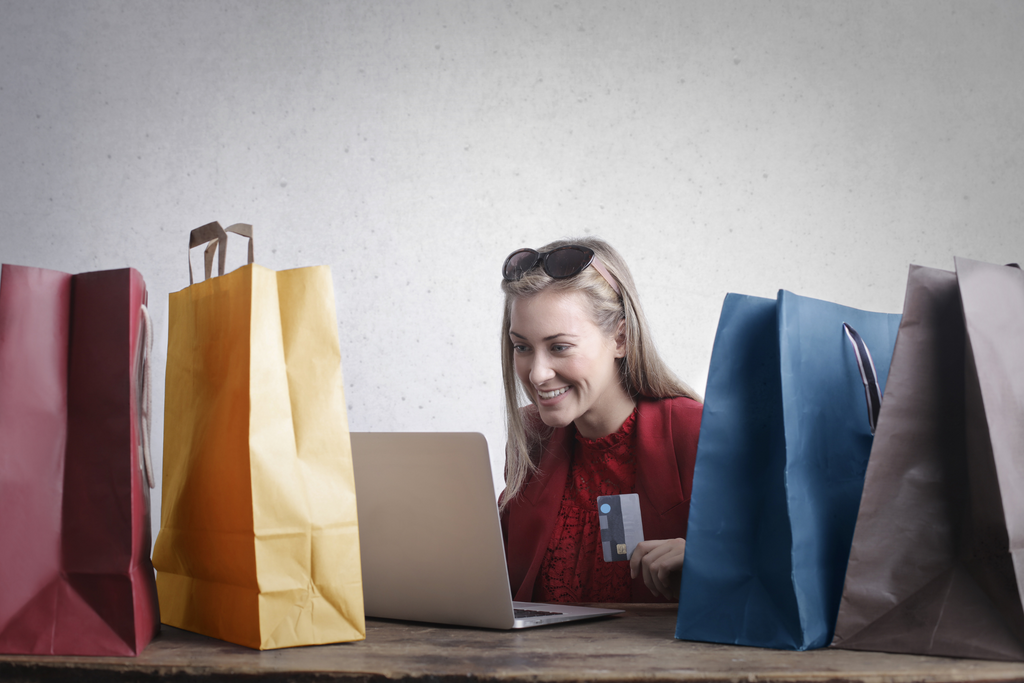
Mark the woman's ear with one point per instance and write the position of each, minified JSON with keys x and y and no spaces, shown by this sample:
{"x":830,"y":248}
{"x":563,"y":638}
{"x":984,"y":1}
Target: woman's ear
{"x":620,"y":339}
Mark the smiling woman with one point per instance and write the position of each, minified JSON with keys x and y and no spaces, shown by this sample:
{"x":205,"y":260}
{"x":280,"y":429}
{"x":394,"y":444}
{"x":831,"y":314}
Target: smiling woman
{"x":605,"y":417}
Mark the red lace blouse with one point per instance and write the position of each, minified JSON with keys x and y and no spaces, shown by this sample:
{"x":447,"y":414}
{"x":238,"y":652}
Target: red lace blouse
{"x":573,"y":569}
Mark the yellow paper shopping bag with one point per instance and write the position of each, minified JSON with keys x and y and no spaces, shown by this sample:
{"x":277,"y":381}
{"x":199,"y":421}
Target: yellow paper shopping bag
{"x":259,"y":540}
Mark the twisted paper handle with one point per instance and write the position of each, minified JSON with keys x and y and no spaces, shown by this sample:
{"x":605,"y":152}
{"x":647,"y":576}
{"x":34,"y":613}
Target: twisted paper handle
{"x":216,"y":240}
{"x":146,"y":395}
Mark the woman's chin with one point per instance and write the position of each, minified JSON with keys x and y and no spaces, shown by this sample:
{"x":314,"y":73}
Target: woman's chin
{"x":553,"y":419}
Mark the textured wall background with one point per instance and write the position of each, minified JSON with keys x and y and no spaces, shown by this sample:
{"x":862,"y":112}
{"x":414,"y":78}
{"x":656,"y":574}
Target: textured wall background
{"x":815,"y":146}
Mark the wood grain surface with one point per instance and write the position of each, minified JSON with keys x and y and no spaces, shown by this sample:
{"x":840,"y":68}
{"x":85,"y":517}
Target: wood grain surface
{"x":635,"y":646}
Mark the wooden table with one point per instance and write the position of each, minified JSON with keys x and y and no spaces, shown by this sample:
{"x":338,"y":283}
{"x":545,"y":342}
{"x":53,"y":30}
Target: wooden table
{"x":635,"y":646}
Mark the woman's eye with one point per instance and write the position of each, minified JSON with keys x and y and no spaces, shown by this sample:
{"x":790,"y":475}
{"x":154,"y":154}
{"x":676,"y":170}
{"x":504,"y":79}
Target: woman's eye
{"x":519,"y":348}
{"x":558,"y":348}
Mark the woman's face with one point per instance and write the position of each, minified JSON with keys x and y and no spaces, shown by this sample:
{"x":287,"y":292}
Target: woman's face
{"x":567,"y":364}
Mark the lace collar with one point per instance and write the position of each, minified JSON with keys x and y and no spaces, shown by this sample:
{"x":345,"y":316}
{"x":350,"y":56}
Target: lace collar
{"x":612,"y":440}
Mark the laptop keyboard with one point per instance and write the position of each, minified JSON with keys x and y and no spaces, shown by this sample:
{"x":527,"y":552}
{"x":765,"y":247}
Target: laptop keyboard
{"x":524,"y":613}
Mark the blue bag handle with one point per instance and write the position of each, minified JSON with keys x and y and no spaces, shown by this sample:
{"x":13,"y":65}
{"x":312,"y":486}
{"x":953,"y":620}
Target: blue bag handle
{"x":872,"y":392}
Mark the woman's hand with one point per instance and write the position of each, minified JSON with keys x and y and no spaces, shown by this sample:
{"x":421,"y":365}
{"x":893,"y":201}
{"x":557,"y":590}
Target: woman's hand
{"x":661,"y":562}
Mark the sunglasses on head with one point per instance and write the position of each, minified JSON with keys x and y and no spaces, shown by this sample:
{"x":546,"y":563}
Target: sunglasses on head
{"x":561,"y":263}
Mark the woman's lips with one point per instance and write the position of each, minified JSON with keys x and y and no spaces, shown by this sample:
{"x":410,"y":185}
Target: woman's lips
{"x":553,"y":396}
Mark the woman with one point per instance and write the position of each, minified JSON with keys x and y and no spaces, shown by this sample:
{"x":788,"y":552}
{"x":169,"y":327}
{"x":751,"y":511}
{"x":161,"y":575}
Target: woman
{"x":605,"y":417}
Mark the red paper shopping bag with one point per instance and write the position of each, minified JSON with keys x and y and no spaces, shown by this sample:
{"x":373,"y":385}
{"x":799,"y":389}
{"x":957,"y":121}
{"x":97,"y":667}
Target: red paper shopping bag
{"x":75,"y":574}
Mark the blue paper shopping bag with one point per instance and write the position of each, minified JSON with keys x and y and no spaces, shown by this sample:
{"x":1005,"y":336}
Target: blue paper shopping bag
{"x":784,"y":443}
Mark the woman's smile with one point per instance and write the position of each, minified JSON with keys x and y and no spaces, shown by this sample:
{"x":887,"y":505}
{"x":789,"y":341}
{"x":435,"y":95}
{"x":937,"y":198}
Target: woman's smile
{"x":551,"y":394}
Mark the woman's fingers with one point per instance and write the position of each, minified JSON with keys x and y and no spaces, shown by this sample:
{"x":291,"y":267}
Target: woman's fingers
{"x":659,"y":561}
{"x":636,"y":559}
{"x":657,"y":568}
{"x":651,"y":578}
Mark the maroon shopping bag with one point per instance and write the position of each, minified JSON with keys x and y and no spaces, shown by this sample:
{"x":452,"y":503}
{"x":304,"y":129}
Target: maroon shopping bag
{"x":75,"y":571}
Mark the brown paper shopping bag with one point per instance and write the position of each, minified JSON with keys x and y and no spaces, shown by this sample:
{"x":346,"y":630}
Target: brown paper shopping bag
{"x":258,"y":542}
{"x":936,"y":567}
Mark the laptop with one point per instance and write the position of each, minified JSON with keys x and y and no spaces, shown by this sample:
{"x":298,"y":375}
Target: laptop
{"x":430,"y":537}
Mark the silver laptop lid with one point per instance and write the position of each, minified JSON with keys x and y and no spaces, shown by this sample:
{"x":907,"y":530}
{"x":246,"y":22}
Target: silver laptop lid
{"x":429,"y":532}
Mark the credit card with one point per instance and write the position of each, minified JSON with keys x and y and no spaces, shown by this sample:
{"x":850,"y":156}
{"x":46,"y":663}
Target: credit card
{"x":621,"y":526}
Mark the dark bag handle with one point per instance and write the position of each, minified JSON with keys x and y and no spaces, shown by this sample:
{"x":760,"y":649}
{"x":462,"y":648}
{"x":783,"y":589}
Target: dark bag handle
{"x":213,"y":234}
{"x":216,"y":239}
{"x":243,"y":229}
{"x":872,"y":392}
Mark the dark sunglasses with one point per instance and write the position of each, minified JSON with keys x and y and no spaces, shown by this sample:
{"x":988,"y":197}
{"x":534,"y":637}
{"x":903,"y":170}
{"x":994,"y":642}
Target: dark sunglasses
{"x":561,"y":263}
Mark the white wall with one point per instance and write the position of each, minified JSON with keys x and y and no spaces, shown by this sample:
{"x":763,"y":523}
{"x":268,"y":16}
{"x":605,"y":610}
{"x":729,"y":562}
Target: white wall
{"x":722,"y":146}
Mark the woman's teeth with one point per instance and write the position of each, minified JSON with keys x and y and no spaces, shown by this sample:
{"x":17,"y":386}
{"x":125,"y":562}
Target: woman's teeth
{"x":552,"y":394}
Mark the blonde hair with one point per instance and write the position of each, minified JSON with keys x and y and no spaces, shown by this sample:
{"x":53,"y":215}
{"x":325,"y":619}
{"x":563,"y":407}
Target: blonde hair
{"x":642,"y":372}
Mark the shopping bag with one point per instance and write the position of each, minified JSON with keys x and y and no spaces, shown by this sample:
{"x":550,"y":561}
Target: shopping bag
{"x":784,"y":441}
{"x":75,"y":573}
{"x":935,"y":566}
{"x":258,"y":542}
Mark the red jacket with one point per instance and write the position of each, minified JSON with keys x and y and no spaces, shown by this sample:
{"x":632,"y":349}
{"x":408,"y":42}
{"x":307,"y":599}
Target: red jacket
{"x":666,"y":449}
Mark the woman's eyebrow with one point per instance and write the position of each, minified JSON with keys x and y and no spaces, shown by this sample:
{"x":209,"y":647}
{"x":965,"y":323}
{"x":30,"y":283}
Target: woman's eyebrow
{"x":548,"y":338}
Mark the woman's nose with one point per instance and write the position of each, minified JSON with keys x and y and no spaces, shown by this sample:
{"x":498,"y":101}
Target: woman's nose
{"x":540,"y":371}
